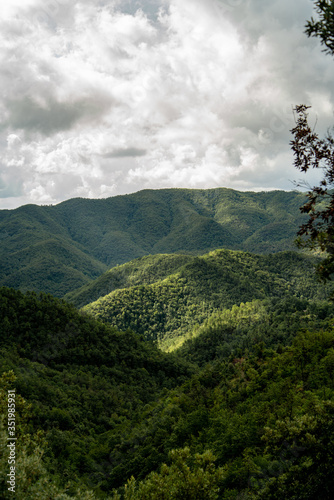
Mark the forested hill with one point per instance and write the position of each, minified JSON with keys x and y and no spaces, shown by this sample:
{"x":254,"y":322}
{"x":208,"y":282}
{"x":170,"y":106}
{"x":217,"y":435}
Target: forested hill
{"x":164,"y":298}
{"x":59,"y":248}
{"x":245,"y":410}
{"x":81,"y":378}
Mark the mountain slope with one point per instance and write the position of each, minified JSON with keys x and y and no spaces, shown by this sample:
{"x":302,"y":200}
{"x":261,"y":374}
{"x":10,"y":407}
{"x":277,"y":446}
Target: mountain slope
{"x":80,"y":376}
{"x":106,"y":409}
{"x":168,"y":309}
{"x":264,"y":418}
{"x":144,"y":270}
{"x":79,"y":239}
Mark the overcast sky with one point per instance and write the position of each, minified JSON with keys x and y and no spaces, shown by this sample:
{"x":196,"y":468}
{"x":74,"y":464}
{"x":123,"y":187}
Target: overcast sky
{"x":107,"y":97}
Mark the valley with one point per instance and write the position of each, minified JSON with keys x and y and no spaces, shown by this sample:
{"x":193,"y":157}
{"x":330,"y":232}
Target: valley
{"x":189,"y":339}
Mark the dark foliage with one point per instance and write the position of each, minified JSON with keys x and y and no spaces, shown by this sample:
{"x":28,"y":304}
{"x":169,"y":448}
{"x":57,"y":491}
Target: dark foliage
{"x":310,"y":151}
{"x":56,"y":249}
{"x":323,"y":26}
{"x":79,"y":375}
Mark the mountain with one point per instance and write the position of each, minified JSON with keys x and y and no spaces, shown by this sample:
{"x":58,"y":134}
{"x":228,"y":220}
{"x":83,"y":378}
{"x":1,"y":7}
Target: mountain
{"x":257,"y":425}
{"x":243,"y":410}
{"x":59,"y":248}
{"x":141,"y":271}
{"x":80,"y":377}
{"x":166,"y":302}
{"x":242,"y":407}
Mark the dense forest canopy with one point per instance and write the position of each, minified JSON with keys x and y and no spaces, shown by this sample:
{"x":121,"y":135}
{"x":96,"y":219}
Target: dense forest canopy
{"x":168,"y":308}
{"x":245,"y":407}
{"x":56,"y":249}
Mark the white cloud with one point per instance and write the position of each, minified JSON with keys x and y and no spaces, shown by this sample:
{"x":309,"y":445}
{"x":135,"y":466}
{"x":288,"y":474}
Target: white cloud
{"x":100,"y":98}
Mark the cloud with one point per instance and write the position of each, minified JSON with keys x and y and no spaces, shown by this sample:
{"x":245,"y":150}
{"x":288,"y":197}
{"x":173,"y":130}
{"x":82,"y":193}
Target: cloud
{"x":101,"y":98}
{"x":123,"y":153}
{"x":53,"y":116}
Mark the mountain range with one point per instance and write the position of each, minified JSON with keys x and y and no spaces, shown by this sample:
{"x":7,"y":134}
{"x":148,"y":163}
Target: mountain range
{"x":57,"y":249}
{"x":240,"y":404}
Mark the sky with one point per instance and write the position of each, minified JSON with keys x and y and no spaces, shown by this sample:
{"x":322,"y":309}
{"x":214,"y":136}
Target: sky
{"x":106,"y":97}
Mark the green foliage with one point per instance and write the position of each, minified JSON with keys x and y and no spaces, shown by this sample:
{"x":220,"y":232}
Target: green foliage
{"x":308,"y":458}
{"x":188,"y":477}
{"x":81,"y":378}
{"x":170,"y":309}
{"x":32,"y":479}
{"x":252,"y":418}
{"x":52,"y":266}
{"x":268,"y":418}
{"x":144,"y":270}
{"x":323,"y":26}
{"x":57,"y":249}
{"x":272,"y":323}
{"x":244,"y":409}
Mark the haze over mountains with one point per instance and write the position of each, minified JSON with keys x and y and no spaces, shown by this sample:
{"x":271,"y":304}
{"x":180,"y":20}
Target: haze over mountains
{"x":59,"y":248}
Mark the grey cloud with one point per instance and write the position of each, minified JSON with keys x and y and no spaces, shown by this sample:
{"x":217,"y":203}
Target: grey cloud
{"x":256,"y":17}
{"x":203,"y":98}
{"x":54,"y":116}
{"x":124,"y":153}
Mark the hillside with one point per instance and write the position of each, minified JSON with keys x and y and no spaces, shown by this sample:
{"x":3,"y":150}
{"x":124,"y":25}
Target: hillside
{"x":250,"y":417}
{"x":144,"y":270}
{"x":242,"y":407}
{"x":80,"y":377}
{"x":257,"y":425}
{"x":167,"y":308}
{"x":59,"y":248}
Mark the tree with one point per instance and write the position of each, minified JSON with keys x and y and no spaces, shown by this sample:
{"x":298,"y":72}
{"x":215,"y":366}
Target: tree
{"x":32,"y":479}
{"x":324,"y":26}
{"x":310,"y":151}
{"x":188,"y":477}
